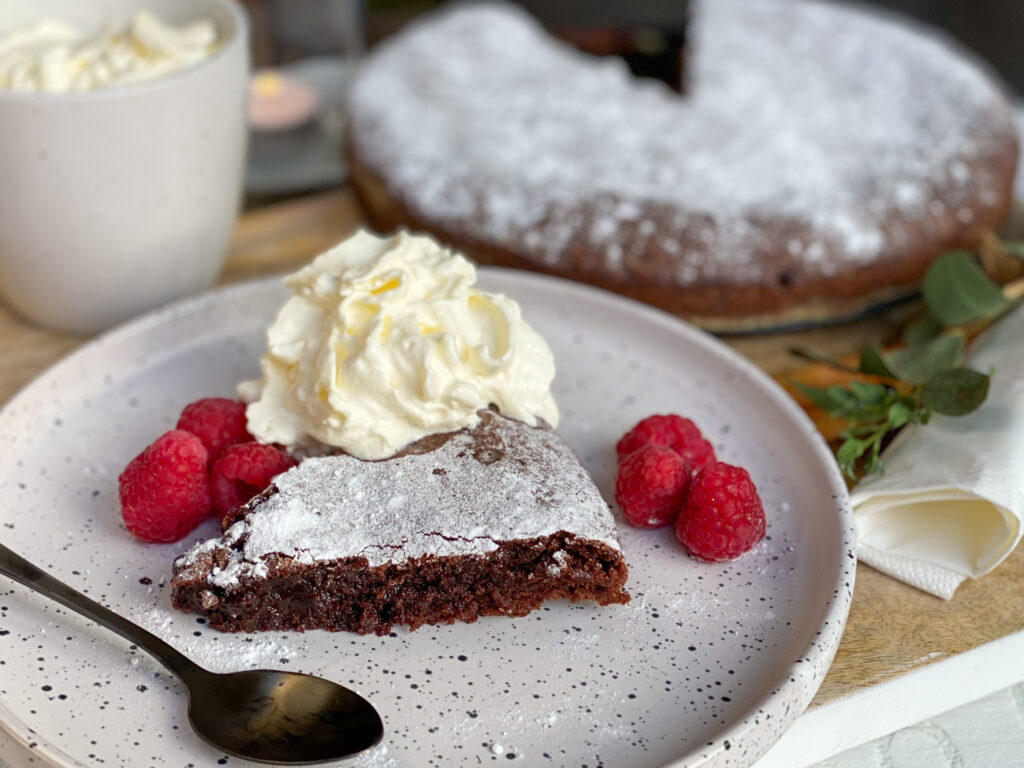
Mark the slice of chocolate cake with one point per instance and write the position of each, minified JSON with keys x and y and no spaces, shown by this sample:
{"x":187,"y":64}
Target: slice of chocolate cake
{"x":492,"y":520}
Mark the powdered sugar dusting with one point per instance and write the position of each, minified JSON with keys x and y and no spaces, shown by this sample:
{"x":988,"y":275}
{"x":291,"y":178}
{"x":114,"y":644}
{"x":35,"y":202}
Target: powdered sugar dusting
{"x":520,"y":482}
{"x":817,"y":126}
{"x":257,"y":651}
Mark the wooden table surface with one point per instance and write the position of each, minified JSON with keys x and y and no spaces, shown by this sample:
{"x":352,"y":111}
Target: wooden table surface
{"x":892,"y":629}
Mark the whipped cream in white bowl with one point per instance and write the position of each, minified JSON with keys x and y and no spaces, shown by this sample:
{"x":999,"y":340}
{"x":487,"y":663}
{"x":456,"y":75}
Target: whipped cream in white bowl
{"x":122,"y":159}
{"x":53,"y":56}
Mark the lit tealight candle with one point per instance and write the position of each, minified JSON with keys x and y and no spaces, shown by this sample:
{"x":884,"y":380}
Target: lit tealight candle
{"x":279,"y":103}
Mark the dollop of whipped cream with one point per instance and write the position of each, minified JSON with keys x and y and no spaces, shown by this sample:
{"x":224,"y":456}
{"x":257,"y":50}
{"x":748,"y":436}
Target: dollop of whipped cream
{"x":53,"y":56}
{"x":387,"y":340}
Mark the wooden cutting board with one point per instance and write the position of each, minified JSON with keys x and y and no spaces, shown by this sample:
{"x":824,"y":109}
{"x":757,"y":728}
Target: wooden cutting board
{"x":892,"y":628}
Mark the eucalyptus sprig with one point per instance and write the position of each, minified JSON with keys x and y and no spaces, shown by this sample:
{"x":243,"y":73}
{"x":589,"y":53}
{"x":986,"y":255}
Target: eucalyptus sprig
{"x":926,"y":374}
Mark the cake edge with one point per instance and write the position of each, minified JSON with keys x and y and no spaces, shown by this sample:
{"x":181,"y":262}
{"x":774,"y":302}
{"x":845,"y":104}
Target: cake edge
{"x":519,"y":576}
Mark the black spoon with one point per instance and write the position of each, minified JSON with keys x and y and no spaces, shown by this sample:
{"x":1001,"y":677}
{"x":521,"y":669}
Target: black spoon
{"x":285,"y":718}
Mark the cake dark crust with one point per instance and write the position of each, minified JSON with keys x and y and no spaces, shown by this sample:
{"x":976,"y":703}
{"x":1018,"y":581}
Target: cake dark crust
{"x":347,"y":595}
{"x":788,"y":296}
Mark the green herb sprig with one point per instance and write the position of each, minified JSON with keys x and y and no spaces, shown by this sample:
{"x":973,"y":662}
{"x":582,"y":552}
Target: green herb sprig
{"x":925,"y":375}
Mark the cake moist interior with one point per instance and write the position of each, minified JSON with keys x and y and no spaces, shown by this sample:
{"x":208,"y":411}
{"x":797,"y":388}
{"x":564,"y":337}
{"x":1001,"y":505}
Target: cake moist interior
{"x":346,"y":595}
{"x":492,"y":520}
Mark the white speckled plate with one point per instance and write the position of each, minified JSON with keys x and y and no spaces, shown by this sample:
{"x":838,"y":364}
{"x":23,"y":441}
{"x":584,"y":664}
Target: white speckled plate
{"x":707,"y":665}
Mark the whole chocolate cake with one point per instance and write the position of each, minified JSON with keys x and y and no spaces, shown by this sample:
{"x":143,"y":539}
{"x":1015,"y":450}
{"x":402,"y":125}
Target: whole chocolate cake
{"x":819,"y":158}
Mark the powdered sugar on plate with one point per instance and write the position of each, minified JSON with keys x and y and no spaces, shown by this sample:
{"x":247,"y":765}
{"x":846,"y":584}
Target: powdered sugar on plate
{"x":260,"y":651}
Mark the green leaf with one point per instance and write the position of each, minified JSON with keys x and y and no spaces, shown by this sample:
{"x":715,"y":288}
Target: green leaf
{"x":873,"y":463}
{"x":898,"y":415}
{"x":920,"y":364}
{"x":908,"y":400}
{"x":868,"y":394}
{"x":925,"y":328}
{"x":955,"y":392}
{"x":956,"y":290}
{"x":871,"y":361}
{"x":850,"y":451}
{"x":1015,"y":248}
{"x":831,"y":399}
{"x":815,"y":357}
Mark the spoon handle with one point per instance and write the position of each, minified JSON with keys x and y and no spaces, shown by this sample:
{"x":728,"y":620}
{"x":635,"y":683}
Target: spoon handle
{"x":22,"y":571}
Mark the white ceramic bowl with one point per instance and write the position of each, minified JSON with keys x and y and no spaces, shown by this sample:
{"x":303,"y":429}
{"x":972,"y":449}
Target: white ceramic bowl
{"x":119,"y":200}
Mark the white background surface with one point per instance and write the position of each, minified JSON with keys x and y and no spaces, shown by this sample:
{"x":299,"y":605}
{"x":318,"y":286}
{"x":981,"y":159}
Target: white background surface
{"x":985,"y":734}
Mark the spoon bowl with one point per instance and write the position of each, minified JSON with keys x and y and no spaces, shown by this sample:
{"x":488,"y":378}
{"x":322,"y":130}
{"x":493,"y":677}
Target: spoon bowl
{"x":284,"y":718}
{"x":281,"y":717}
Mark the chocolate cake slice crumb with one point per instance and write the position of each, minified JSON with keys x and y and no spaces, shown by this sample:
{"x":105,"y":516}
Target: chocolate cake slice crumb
{"x":492,"y":520}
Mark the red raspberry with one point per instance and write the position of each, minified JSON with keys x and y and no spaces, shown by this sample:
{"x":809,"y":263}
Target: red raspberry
{"x":164,"y":490}
{"x":243,"y":471}
{"x":650,"y":486}
{"x":722,"y":516}
{"x":218,"y":422}
{"x":671,"y":431}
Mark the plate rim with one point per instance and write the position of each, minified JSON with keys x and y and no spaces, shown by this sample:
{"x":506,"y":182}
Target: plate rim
{"x":835,"y":610}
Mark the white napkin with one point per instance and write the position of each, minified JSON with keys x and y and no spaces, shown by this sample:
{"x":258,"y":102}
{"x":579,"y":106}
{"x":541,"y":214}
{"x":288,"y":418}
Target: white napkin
{"x":951,"y":502}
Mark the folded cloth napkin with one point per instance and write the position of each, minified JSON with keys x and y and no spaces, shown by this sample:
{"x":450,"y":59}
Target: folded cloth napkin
{"x":951,"y":501}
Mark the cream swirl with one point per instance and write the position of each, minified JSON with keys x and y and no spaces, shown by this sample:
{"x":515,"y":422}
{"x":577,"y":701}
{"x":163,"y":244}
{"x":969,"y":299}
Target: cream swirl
{"x":387,"y":340}
{"x":52,"y":56}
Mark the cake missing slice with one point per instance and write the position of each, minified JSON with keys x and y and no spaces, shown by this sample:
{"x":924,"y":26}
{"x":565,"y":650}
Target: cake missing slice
{"x":492,"y":520}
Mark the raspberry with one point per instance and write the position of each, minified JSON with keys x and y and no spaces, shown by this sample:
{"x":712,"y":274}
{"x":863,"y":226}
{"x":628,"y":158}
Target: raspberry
{"x":164,"y":490}
{"x":218,"y":422}
{"x":671,"y":431}
{"x":243,"y":471}
{"x":650,"y":486}
{"x":722,"y":516}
